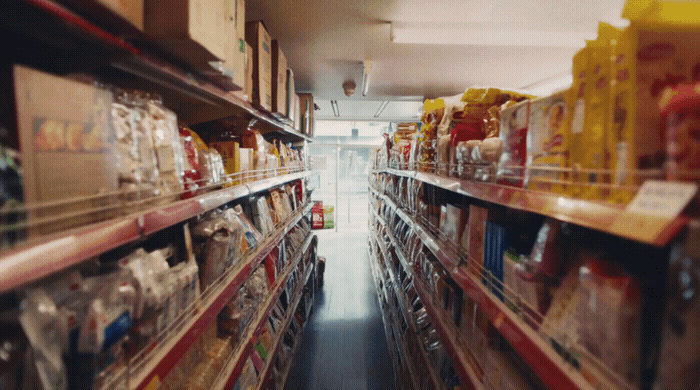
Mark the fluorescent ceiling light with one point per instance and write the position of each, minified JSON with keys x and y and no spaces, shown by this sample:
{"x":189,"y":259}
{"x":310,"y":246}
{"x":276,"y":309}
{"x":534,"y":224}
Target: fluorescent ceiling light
{"x":366,"y":67}
{"x":464,"y":35}
{"x":381,"y":108}
{"x":334,"y":106}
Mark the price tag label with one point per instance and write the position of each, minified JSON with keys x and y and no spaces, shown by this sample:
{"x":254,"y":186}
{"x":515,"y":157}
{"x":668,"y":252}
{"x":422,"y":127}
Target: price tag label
{"x":665,"y":199}
{"x":656,"y":204}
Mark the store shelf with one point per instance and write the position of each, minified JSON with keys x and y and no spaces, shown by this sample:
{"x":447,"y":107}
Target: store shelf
{"x":446,"y":332}
{"x":28,"y":263}
{"x":264,"y":377}
{"x":591,"y":214}
{"x":233,"y":367}
{"x":218,"y":103}
{"x":549,"y":366}
{"x":403,"y":307}
{"x":163,"y":356}
{"x":33,"y":17}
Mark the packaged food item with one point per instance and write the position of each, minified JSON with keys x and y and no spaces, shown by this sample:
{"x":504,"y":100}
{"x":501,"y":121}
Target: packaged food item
{"x":328,"y":217}
{"x":192,"y":176}
{"x":496,"y":237}
{"x":609,"y":317}
{"x":215,"y":247}
{"x":680,"y":112}
{"x":547,"y":144}
{"x":472,"y":239}
{"x":513,"y":134}
{"x":589,"y":156}
{"x":249,"y":377}
{"x":218,"y":173}
{"x":262,"y":216}
{"x":660,"y":48}
{"x":501,"y":373}
{"x":162,"y":126}
{"x":68,"y":121}
{"x":39,"y":322}
{"x":11,"y":197}
{"x":680,"y":336}
{"x":228,"y":147}
{"x":576,"y":106}
{"x":455,"y":223}
{"x":251,"y":233}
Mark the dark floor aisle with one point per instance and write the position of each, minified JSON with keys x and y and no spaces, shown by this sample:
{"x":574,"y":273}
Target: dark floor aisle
{"x":343,"y":346}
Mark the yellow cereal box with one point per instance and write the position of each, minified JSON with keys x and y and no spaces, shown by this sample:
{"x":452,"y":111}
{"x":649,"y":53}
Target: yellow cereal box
{"x":576,"y":106}
{"x":660,"y":48}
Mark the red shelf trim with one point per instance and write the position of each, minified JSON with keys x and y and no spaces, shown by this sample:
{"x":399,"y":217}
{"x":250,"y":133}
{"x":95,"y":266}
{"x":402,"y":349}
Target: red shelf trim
{"x":596,"y":215}
{"x":29,"y":263}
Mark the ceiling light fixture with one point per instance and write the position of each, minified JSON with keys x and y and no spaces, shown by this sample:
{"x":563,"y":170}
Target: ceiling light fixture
{"x":465,"y":35}
{"x":334,"y":106}
{"x":381,"y":108}
{"x":349,"y":88}
{"x":366,"y":68}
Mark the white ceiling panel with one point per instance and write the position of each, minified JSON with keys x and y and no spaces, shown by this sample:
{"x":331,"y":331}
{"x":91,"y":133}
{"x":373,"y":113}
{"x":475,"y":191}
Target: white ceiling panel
{"x":357,"y":109}
{"x":502,"y":43}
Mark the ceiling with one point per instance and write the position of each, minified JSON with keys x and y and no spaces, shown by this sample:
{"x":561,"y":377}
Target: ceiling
{"x":521,"y":44}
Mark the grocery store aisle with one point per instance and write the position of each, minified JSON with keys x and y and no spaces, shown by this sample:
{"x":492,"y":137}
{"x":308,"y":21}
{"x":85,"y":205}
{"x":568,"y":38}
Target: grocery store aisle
{"x":344,"y":346}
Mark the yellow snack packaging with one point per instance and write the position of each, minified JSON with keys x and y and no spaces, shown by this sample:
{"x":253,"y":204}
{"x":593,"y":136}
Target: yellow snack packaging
{"x":576,"y":107}
{"x":595,"y":156}
{"x":660,"y":48}
{"x":547,"y":143}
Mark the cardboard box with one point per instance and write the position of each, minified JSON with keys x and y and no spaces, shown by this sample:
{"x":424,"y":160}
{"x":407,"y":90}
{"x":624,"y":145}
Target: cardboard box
{"x":235,"y":59}
{"x":247,"y":92}
{"x":230,"y":154}
{"x":297,"y":113}
{"x":198,"y":31}
{"x":291,"y":92}
{"x":67,"y":146}
{"x":306,"y":101}
{"x":258,"y":38}
{"x":122,"y":16}
{"x":279,"y":81}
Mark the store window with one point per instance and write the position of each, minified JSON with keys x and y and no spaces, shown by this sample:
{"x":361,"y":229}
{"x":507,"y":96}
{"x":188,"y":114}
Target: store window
{"x":340,"y":154}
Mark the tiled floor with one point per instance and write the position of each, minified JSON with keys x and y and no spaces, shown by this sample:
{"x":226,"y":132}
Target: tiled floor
{"x":344,"y":346}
